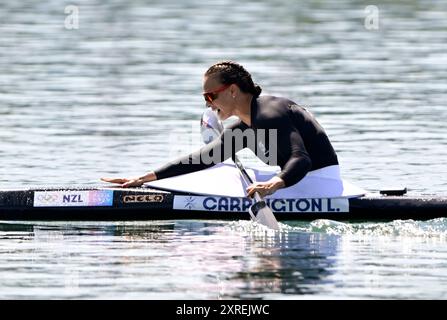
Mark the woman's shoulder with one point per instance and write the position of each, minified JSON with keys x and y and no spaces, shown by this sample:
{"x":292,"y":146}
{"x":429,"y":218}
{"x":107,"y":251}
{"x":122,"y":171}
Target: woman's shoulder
{"x":276,"y":103}
{"x":273,"y":99}
{"x":272,"y":111}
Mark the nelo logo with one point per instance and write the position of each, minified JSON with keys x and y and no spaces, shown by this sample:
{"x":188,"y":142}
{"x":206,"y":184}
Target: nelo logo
{"x":143,"y":198}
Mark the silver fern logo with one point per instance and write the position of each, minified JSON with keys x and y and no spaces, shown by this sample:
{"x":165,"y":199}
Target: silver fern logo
{"x":190,"y":203}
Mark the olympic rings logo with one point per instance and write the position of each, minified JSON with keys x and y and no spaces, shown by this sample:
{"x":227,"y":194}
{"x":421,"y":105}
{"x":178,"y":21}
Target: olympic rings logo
{"x":48,"y":198}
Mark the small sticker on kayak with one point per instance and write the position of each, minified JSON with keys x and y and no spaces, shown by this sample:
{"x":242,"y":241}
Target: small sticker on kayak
{"x":93,"y":198}
{"x":209,"y":203}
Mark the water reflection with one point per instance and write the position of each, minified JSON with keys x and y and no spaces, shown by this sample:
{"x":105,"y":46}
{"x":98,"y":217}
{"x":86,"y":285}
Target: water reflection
{"x":287,"y":263}
{"x":222,"y":260}
{"x":181,"y":259}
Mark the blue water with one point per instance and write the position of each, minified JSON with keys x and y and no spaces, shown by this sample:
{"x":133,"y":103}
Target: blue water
{"x":121,"y":95}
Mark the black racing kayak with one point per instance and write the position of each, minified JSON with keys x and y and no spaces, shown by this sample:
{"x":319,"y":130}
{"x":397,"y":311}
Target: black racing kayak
{"x":99,"y":203}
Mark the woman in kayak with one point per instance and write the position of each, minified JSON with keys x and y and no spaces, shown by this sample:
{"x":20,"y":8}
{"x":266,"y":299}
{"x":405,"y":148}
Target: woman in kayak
{"x":301,"y":143}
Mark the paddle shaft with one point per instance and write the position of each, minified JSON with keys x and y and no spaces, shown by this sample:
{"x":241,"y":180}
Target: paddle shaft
{"x":248,"y":180}
{"x":245,"y":176}
{"x":259,"y":211}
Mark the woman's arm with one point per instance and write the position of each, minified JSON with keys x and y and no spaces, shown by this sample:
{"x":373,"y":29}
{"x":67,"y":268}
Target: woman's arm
{"x":207,"y":156}
{"x":299,"y":162}
{"x":132,"y":182}
{"x":289,"y":143}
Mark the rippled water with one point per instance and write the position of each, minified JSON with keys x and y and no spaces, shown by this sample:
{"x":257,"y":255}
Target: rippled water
{"x":121,"y":94}
{"x":221,"y":260}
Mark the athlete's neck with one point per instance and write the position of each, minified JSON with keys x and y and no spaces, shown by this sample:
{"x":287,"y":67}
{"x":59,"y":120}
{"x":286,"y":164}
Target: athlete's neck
{"x":243,"y":109}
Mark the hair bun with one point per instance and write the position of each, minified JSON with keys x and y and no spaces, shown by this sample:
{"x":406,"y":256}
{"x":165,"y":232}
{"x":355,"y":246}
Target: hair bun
{"x":258,"y":90}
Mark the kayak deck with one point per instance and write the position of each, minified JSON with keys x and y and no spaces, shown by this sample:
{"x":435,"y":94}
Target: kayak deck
{"x":101,"y":204}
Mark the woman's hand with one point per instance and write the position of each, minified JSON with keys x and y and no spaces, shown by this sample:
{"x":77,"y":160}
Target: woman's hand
{"x":132,"y":182}
{"x":265,"y":188}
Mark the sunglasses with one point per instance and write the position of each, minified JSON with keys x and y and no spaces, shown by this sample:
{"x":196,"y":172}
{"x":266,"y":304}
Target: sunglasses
{"x":213,"y":95}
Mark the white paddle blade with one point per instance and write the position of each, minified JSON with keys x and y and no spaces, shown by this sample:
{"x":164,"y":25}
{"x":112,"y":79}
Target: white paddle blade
{"x":262,"y":214}
{"x":210,"y":126}
{"x":266,"y":217}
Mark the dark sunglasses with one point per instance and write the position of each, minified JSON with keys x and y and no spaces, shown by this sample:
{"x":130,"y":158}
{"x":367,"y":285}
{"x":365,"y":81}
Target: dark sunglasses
{"x":213,"y":95}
